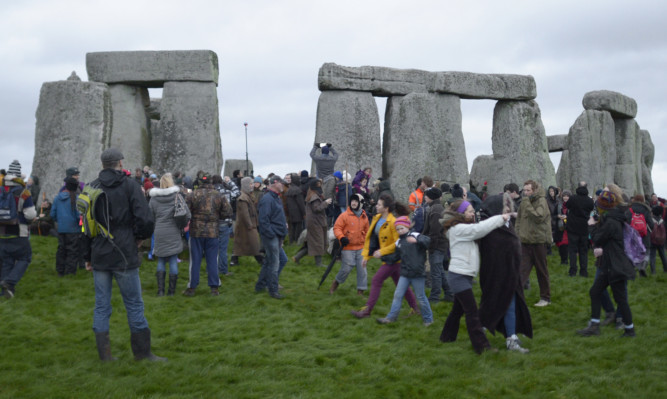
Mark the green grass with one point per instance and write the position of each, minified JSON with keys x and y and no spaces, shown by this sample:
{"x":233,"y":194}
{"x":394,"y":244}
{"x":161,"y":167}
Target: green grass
{"x":243,"y":344}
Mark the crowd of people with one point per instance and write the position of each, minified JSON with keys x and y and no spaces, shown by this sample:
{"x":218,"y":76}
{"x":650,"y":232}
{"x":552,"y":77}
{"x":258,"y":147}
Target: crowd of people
{"x":443,"y":237}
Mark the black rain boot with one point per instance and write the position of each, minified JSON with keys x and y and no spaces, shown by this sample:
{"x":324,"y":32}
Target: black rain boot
{"x":104,"y":346}
{"x":318,"y":261}
{"x":629,"y":333}
{"x":234,"y":261}
{"x":173,"y":279}
{"x":141,"y":346}
{"x":160,"y":282}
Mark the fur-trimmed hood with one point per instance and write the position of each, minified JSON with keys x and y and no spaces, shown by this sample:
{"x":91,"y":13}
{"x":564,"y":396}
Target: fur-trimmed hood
{"x":161,"y":192}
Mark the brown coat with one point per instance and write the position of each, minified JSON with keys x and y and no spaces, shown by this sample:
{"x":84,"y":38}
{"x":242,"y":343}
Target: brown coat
{"x":316,"y":225}
{"x":246,"y":237}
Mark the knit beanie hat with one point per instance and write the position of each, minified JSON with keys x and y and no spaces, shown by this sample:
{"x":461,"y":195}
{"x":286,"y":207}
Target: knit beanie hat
{"x":606,"y":201}
{"x":304,"y":173}
{"x":325,"y":150}
{"x":433,"y":193}
{"x":258,"y":179}
{"x":457,"y":191}
{"x":246,"y":184}
{"x":338,"y":174}
{"x":402,"y":221}
{"x":14,"y":168}
{"x":71,"y":184}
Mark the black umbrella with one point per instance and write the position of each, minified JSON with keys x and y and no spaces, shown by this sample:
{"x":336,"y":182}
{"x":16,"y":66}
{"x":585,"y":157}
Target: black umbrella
{"x":335,"y":253}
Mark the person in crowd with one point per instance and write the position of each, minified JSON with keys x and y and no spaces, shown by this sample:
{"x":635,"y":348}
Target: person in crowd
{"x":639,"y":206}
{"x":462,"y":232}
{"x":139,"y":176}
{"x":168,"y":241}
{"x":614,"y":266}
{"x":257,"y":189}
{"x":579,"y":208}
{"x":316,"y":222}
{"x":272,"y":229}
{"x":15,"y":249}
{"x":130,"y":220}
{"x":380,"y":244}
{"x":237,"y":175}
{"x":416,"y":198}
{"x":246,"y":236}
{"x":513,"y":190}
{"x":658,"y":239}
{"x":43,"y":224}
{"x":553,"y":200}
{"x":562,"y":239}
{"x":74,"y":172}
{"x":34,"y":187}
{"x":65,"y":214}
{"x":438,"y":247}
{"x":207,"y":207}
{"x":343,"y":192}
{"x":361,"y":180}
{"x":228,"y":190}
{"x":533,"y":226}
{"x":411,"y":248}
{"x":350,"y":229}
{"x":502,"y":306}
{"x":325,"y":160}
{"x":446,"y":194}
{"x":296,"y":208}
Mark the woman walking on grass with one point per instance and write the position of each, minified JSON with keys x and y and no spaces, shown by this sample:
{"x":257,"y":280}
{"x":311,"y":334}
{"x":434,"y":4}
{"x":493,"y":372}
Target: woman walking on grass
{"x":168,"y":241}
{"x":316,"y":221}
{"x":381,"y":244}
{"x":462,"y":232}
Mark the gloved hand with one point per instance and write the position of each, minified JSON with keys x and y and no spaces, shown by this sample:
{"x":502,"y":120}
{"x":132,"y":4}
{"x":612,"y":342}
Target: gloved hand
{"x":344,"y":241}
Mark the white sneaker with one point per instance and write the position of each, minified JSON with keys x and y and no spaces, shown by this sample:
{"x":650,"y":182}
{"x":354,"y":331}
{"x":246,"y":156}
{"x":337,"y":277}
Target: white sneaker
{"x":513,"y":344}
{"x":542,"y":303}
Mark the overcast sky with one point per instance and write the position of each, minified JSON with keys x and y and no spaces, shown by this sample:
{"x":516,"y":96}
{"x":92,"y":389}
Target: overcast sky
{"x":270,"y":53}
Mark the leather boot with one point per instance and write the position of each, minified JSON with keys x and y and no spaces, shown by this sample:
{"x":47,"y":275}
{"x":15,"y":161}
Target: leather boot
{"x":361,"y":313}
{"x":104,"y":346}
{"x":160,"y":282}
{"x":592,"y":329}
{"x":334,"y":287}
{"x":173,"y":279}
{"x":141,"y":346}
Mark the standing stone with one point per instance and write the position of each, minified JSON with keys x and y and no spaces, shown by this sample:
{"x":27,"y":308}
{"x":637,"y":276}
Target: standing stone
{"x":130,"y":128}
{"x":349,"y":120}
{"x":152,"y":68}
{"x":619,"y":105}
{"x":563,"y":174}
{"x":238,"y":164}
{"x":648,"y":154}
{"x":520,"y":150}
{"x":188,"y":137}
{"x":628,"y":173}
{"x":73,"y":128}
{"x":423,"y":136}
{"x":592,"y":150}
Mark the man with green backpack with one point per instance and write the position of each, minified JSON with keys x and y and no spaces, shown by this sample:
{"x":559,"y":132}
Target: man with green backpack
{"x":115,"y":217}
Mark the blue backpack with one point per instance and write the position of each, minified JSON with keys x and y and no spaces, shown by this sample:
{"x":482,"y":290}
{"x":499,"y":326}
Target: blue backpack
{"x":9,"y":214}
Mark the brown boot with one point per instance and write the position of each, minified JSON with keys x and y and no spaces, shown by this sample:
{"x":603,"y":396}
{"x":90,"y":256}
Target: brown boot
{"x":363,"y":312}
{"x":334,"y":287}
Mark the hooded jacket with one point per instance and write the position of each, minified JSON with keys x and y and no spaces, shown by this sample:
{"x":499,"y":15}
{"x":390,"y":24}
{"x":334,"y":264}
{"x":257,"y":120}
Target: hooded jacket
{"x":353,"y":227}
{"x":63,"y":214}
{"x":608,"y":235}
{"x":130,"y":220}
{"x":413,"y":256}
{"x":533,"y":222}
{"x":168,"y":239}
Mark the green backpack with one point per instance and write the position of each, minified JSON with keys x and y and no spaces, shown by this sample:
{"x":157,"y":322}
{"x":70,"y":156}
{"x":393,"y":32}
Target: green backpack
{"x":86,"y":204}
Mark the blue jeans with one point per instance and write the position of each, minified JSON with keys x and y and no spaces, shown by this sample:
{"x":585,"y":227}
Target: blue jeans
{"x":417,"y":285}
{"x":173,"y":264}
{"x":16,"y":255}
{"x":224,"y":230}
{"x":130,"y":289}
{"x":200,"y":247}
{"x":510,"y":318}
{"x":274,"y":261}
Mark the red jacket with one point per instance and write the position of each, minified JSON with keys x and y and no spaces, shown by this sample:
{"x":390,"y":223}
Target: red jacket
{"x":353,"y":227}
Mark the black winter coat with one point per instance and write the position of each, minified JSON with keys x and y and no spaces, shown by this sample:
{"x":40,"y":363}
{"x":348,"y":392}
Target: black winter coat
{"x":413,"y":256}
{"x":499,"y":280}
{"x":433,"y":228}
{"x":608,"y":235}
{"x":579,"y":208}
{"x":130,"y":219}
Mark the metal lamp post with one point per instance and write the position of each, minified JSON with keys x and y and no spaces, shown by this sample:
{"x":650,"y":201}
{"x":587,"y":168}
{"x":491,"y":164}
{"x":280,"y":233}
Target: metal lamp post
{"x":247,"y":167}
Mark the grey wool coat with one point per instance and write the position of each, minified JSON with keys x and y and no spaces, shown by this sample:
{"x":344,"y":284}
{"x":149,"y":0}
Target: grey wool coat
{"x":168,"y":239}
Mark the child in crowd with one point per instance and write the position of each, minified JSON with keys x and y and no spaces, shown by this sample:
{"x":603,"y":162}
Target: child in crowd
{"x":412,"y":250}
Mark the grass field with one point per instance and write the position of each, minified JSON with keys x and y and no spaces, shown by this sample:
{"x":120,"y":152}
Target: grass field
{"x":247,"y":345}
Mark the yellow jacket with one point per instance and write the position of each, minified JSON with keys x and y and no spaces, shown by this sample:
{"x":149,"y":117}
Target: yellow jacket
{"x":387,"y":237}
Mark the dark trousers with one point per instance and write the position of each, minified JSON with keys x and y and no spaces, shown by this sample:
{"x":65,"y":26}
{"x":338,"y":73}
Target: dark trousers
{"x":295,"y":229}
{"x":536,"y":254}
{"x":464,"y":303}
{"x":619,"y":291}
{"x":660,"y":249}
{"x":68,"y":254}
{"x":562,"y":251}
{"x":578,"y":245}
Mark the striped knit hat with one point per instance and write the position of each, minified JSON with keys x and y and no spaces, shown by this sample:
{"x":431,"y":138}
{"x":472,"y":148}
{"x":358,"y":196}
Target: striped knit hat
{"x":14,"y":168}
{"x":402,"y":221}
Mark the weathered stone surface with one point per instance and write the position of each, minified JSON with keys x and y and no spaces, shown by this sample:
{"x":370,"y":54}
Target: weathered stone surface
{"x":648,"y":154}
{"x":73,"y":128}
{"x":563,"y":174}
{"x":188,"y":136}
{"x":591,"y":151}
{"x":520,"y":149}
{"x":557,"y":143}
{"x":233,"y":164}
{"x":350,"y":122}
{"x":619,"y":105}
{"x":423,"y":136}
{"x":385,"y":82}
{"x":130,"y":127}
{"x":152,"y":68}
{"x":628,"y":173}
{"x":153,"y":109}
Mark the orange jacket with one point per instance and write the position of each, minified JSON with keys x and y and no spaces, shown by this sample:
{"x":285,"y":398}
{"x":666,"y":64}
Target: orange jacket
{"x":353,"y":227}
{"x":416,"y":199}
{"x":387,"y":237}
